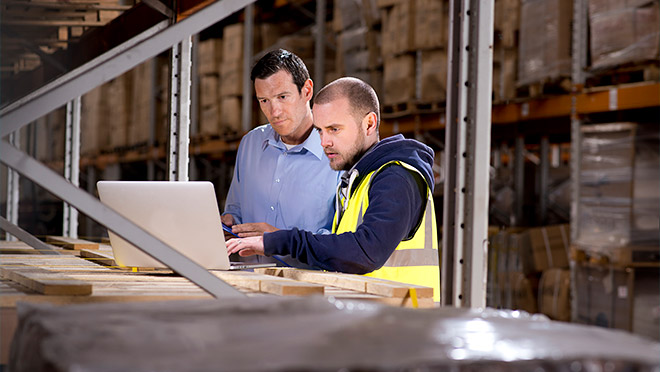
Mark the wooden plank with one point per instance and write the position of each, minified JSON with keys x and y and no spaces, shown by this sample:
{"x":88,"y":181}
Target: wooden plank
{"x":62,"y":262}
{"x":71,"y":243}
{"x":269,"y":284}
{"x":99,"y":256}
{"x":358,"y":283}
{"x":46,"y":282}
{"x":345,"y":281}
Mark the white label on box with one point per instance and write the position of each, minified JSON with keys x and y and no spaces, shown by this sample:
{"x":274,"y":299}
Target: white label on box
{"x":614,"y":99}
{"x":524,"y":109}
{"x":623,"y":291}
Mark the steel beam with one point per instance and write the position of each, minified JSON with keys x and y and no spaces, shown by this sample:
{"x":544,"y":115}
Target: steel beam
{"x":179,"y":139}
{"x":467,"y":145}
{"x":319,"y":46}
{"x":92,"y":207}
{"x":111,"y":64}
{"x":72,"y":164}
{"x":26,"y":237}
{"x":544,"y":179}
{"x":248,"y":51}
{"x":12,"y":190}
{"x":519,"y":179}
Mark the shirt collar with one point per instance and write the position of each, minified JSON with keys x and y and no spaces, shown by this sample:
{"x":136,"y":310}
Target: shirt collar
{"x":311,"y":144}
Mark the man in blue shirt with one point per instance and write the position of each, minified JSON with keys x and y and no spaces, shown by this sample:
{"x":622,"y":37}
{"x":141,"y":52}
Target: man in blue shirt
{"x":282,"y":179}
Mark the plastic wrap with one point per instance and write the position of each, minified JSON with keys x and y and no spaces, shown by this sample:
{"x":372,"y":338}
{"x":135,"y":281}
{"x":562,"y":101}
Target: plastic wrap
{"x":619,"y":186}
{"x":623,"y":32}
{"x":313,"y":333}
{"x":545,"y":40}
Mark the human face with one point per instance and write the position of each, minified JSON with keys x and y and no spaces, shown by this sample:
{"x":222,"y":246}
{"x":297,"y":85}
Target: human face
{"x":343,"y":138}
{"x":287,"y":109}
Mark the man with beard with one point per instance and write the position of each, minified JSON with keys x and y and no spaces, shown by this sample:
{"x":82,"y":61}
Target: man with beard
{"x":384,"y":224}
{"x":282,"y":179}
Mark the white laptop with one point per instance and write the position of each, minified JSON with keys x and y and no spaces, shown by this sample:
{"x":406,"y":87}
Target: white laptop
{"x":183,"y":215}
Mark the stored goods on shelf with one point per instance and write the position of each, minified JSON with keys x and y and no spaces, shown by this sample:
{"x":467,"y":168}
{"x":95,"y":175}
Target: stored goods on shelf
{"x":619,"y":186}
{"x":554,"y":294}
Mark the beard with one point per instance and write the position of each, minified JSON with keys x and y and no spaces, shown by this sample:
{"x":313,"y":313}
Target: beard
{"x":351,"y":156}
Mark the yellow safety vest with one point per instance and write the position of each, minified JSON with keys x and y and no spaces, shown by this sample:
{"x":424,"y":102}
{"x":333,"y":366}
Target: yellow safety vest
{"x":415,"y":260}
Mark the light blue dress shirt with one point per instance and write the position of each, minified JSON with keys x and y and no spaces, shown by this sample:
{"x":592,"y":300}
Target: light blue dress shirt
{"x":284,"y":188}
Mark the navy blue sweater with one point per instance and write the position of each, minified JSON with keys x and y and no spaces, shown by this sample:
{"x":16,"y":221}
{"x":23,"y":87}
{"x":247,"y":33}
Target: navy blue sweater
{"x":397,"y":199}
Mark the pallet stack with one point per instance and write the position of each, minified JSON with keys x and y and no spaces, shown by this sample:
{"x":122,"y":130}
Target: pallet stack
{"x":618,"y":232}
{"x":357,"y":25}
{"x":208,"y":69}
{"x":414,"y":42}
{"x":545,"y":46}
{"x":505,"y":52}
{"x":231,"y":78}
{"x":530,"y":270}
{"x":624,"y":41}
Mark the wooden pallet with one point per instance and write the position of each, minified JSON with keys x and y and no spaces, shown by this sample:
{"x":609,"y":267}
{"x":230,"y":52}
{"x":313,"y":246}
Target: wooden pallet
{"x":561,"y":85}
{"x":625,"y":75}
{"x":630,"y":256}
{"x":392,"y":111}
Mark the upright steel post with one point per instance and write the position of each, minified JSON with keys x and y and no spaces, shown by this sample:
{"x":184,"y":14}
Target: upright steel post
{"x":544,"y":179}
{"x":248,"y":51}
{"x":72,"y":164}
{"x":579,"y":62}
{"x":519,"y":179}
{"x":179,"y":139}
{"x":467,"y":145}
{"x":319,"y":46}
{"x":12,"y":190}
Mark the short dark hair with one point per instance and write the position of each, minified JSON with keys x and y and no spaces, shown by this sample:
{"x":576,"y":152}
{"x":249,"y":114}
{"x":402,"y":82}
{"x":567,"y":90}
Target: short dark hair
{"x":361,"y":97}
{"x":281,"y":59}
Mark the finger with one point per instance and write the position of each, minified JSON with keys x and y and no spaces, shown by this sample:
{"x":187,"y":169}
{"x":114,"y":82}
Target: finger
{"x":244,"y":227}
{"x":247,"y":252}
{"x":249,"y":234}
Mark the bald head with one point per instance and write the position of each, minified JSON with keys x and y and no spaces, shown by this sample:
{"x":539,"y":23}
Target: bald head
{"x":361,"y":97}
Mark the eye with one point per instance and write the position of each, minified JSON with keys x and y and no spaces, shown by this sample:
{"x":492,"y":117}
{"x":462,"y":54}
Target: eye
{"x":263,"y":100}
{"x":283,"y":96}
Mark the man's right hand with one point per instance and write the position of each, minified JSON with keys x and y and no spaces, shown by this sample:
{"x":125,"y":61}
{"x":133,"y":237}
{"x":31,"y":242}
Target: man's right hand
{"x":228,"y":220}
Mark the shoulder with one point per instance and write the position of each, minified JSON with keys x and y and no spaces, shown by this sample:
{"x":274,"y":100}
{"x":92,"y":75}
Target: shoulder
{"x":397,"y":179}
{"x":257,"y":136}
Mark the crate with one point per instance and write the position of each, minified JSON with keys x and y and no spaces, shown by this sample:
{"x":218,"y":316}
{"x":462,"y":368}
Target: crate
{"x":554,"y":294}
{"x":612,"y":297}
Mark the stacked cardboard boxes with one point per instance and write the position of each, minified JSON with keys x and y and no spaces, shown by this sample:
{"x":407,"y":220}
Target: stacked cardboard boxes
{"x":414,"y":42}
{"x":209,"y":58}
{"x":623,"y":32}
{"x":231,"y":77}
{"x":357,"y":25}
{"x":143,"y":92}
{"x":545,"y":41}
{"x":505,"y":52}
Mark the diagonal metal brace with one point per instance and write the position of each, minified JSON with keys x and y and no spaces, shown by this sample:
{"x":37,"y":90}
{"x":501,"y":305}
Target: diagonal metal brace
{"x":92,"y":207}
{"x":26,"y":237}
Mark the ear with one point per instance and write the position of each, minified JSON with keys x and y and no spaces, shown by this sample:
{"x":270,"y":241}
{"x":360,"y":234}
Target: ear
{"x":369,"y":122}
{"x":307,"y":90}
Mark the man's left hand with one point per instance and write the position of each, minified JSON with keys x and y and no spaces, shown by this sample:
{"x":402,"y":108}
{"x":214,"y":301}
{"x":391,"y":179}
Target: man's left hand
{"x":245,"y":230}
{"x":246,"y":246}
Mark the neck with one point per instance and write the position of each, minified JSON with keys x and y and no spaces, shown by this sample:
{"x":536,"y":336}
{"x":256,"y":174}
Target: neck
{"x":302,"y":134}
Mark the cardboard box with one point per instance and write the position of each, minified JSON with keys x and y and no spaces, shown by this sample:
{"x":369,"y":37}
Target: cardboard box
{"x":623,"y":33}
{"x":554,"y":294}
{"x":433,"y":79}
{"x":230,"y":114}
{"x":209,"y":87}
{"x":347,"y":14}
{"x":209,"y":56}
{"x":431,"y":24}
{"x":143,"y":93}
{"x":231,"y":78}
{"x":232,"y":43}
{"x":516,"y":292}
{"x":507,"y":23}
{"x":399,"y":79}
{"x":209,"y":121}
{"x":505,"y":73}
{"x":621,"y":298}
{"x":619,"y":186}
{"x":545,"y":40}
{"x":90,"y":121}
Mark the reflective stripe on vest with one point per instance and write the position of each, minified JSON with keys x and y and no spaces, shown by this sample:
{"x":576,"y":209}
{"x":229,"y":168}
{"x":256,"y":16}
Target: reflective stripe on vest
{"x":416,"y":260}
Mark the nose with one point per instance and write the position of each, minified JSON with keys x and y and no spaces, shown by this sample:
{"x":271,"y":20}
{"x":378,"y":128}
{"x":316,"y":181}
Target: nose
{"x":325,"y":140}
{"x":275,"y":109}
